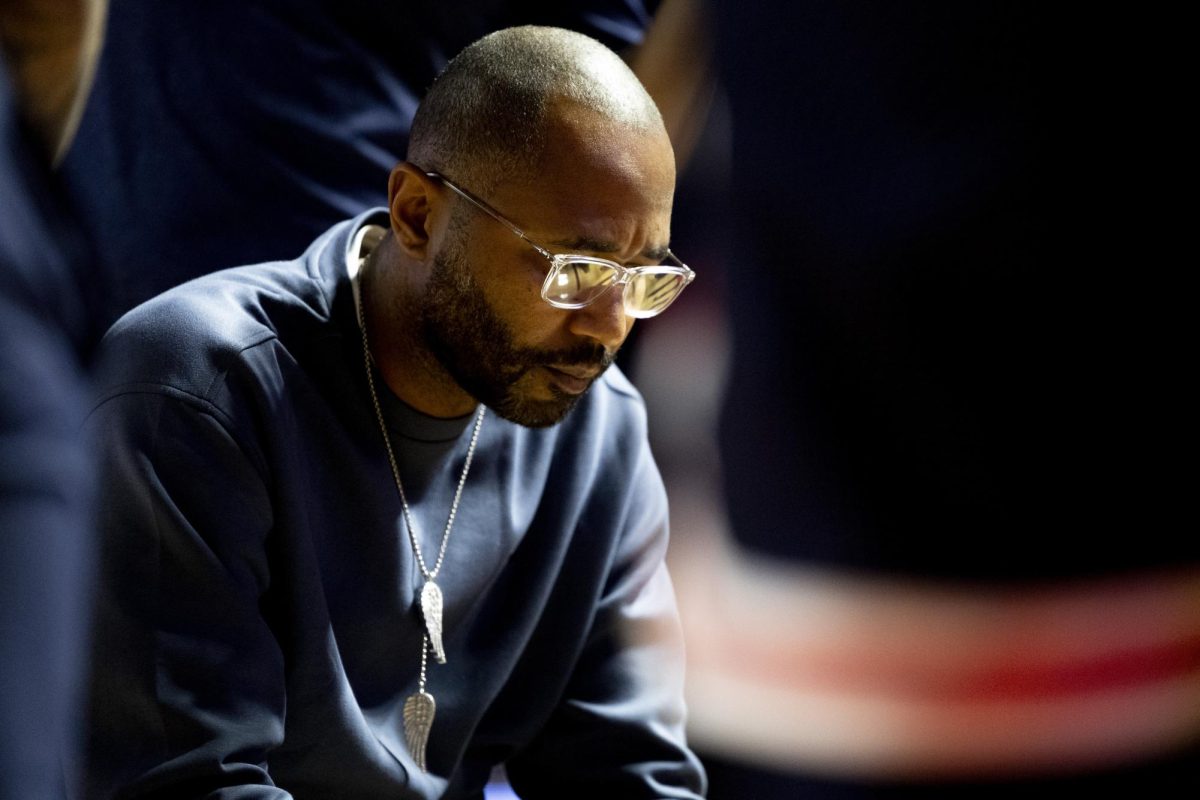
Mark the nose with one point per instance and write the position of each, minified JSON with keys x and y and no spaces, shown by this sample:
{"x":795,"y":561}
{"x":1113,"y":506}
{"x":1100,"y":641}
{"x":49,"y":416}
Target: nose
{"x":603,"y":320}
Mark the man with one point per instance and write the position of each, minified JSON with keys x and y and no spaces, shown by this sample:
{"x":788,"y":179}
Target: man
{"x":377,"y":520}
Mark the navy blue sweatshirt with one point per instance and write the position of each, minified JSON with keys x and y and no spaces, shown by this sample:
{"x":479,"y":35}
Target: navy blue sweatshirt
{"x":257,"y":634}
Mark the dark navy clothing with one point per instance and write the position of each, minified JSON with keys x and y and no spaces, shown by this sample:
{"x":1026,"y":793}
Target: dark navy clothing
{"x":257,"y":633}
{"x":958,"y":360}
{"x":951,"y":377}
{"x":204,"y":114}
{"x":45,"y":477}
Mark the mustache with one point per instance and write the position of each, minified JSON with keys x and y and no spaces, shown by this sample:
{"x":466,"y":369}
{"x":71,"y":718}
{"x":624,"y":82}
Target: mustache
{"x":585,"y":354}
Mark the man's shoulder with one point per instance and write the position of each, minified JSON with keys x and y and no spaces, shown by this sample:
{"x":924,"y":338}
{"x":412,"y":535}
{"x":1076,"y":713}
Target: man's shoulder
{"x":615,"y":381}
{"x":188,"y":336}
{"x":614,"y":400}
{"x":607,"y":426}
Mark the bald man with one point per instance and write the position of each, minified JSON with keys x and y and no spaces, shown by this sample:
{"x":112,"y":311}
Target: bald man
{"x":379,"y":519}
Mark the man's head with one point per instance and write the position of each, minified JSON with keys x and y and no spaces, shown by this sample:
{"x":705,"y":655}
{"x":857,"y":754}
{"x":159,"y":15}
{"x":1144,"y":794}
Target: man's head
{"x":484,"y":120}
{"x":551,"y":131}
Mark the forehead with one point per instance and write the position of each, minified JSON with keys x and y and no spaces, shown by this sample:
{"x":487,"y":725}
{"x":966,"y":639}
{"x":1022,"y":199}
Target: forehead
{"x":598,"y":181}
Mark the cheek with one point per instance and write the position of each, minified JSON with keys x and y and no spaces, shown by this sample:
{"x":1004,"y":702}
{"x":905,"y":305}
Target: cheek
{"x":507,"y":275}
{"x":536,"y":324}
{"x":515,"y":297}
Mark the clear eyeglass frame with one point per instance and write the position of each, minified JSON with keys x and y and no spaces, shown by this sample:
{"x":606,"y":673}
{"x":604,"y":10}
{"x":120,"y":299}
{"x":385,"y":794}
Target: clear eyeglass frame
{"x":575,"y":281}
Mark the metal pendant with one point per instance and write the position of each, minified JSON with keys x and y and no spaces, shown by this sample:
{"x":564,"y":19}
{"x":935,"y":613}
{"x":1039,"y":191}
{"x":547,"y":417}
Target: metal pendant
{"x":418,"y":720}
{"x":431,"y":610}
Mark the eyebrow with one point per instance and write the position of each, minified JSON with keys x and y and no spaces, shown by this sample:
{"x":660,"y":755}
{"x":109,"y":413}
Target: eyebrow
{"x":590,"y":245}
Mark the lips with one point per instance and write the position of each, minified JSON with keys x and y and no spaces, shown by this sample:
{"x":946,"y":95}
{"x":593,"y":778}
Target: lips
{"x":572,"y":380}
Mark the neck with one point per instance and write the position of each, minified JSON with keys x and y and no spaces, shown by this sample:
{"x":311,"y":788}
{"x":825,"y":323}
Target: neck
{"x":391,"y":297}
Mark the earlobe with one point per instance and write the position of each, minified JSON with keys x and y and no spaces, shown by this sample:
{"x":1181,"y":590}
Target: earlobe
{"x":410,"y":205}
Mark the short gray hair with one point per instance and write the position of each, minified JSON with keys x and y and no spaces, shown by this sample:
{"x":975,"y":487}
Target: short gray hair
{"x":484,"y":120}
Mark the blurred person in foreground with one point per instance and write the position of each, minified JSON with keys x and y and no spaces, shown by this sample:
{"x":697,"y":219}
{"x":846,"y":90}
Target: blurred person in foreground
{"x":47,"y":51}
{"x":378,"y":519}
{"x":963,"y":565}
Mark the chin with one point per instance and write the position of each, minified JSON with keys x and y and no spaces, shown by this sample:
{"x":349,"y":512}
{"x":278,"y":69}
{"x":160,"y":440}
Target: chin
{"x":535,"y":413}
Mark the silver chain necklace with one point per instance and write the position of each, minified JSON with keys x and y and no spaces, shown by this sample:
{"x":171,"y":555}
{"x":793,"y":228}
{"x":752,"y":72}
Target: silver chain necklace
{"x":419,"y":708}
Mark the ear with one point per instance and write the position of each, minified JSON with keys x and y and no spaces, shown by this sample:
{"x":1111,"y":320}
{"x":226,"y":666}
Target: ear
{"x":412,"y":199}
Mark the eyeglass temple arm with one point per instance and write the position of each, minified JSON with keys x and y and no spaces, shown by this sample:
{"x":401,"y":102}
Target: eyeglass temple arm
{"x":689,"y":274}
{"x":485,"y":208}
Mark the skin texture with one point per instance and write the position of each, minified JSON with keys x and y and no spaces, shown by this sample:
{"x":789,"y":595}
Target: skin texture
{"x":453,"y":304}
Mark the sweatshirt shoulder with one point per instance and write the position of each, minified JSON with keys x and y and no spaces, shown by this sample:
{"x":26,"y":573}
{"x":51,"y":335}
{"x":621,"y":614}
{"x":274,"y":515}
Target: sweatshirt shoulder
{"x":610,"y":420}
{"x":617,"y":395}
{"x":188,"y":338}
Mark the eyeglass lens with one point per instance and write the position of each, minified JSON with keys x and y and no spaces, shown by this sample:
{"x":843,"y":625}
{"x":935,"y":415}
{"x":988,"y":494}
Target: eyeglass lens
{"x":578,"y":283}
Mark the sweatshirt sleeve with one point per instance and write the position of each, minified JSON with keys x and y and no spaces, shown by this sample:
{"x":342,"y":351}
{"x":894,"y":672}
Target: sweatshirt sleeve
{"x":188,"y":686}
{"x":618,"y":730}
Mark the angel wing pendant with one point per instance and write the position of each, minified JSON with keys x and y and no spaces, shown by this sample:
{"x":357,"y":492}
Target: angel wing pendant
{"x":431,"y":610}
{"x":418,"y":720}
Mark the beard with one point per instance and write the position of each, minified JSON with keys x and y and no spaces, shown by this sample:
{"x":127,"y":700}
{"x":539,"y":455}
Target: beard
{"x":478,"y":350}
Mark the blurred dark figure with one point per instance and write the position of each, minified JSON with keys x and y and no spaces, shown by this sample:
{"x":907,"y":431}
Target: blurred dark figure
{"x":946,"y":381}
{"x":231,"y":132}
{"x":45,"y":476}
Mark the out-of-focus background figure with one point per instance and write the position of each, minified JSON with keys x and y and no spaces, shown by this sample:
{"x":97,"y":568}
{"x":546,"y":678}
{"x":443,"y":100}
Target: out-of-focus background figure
{"x":47,"y":51}
{"x":208,"y":119}
{"x":953,"y":556}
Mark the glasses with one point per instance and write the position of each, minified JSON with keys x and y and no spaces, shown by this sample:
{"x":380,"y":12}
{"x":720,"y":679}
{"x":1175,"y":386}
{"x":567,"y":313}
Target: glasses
{"x":575,"y":281}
